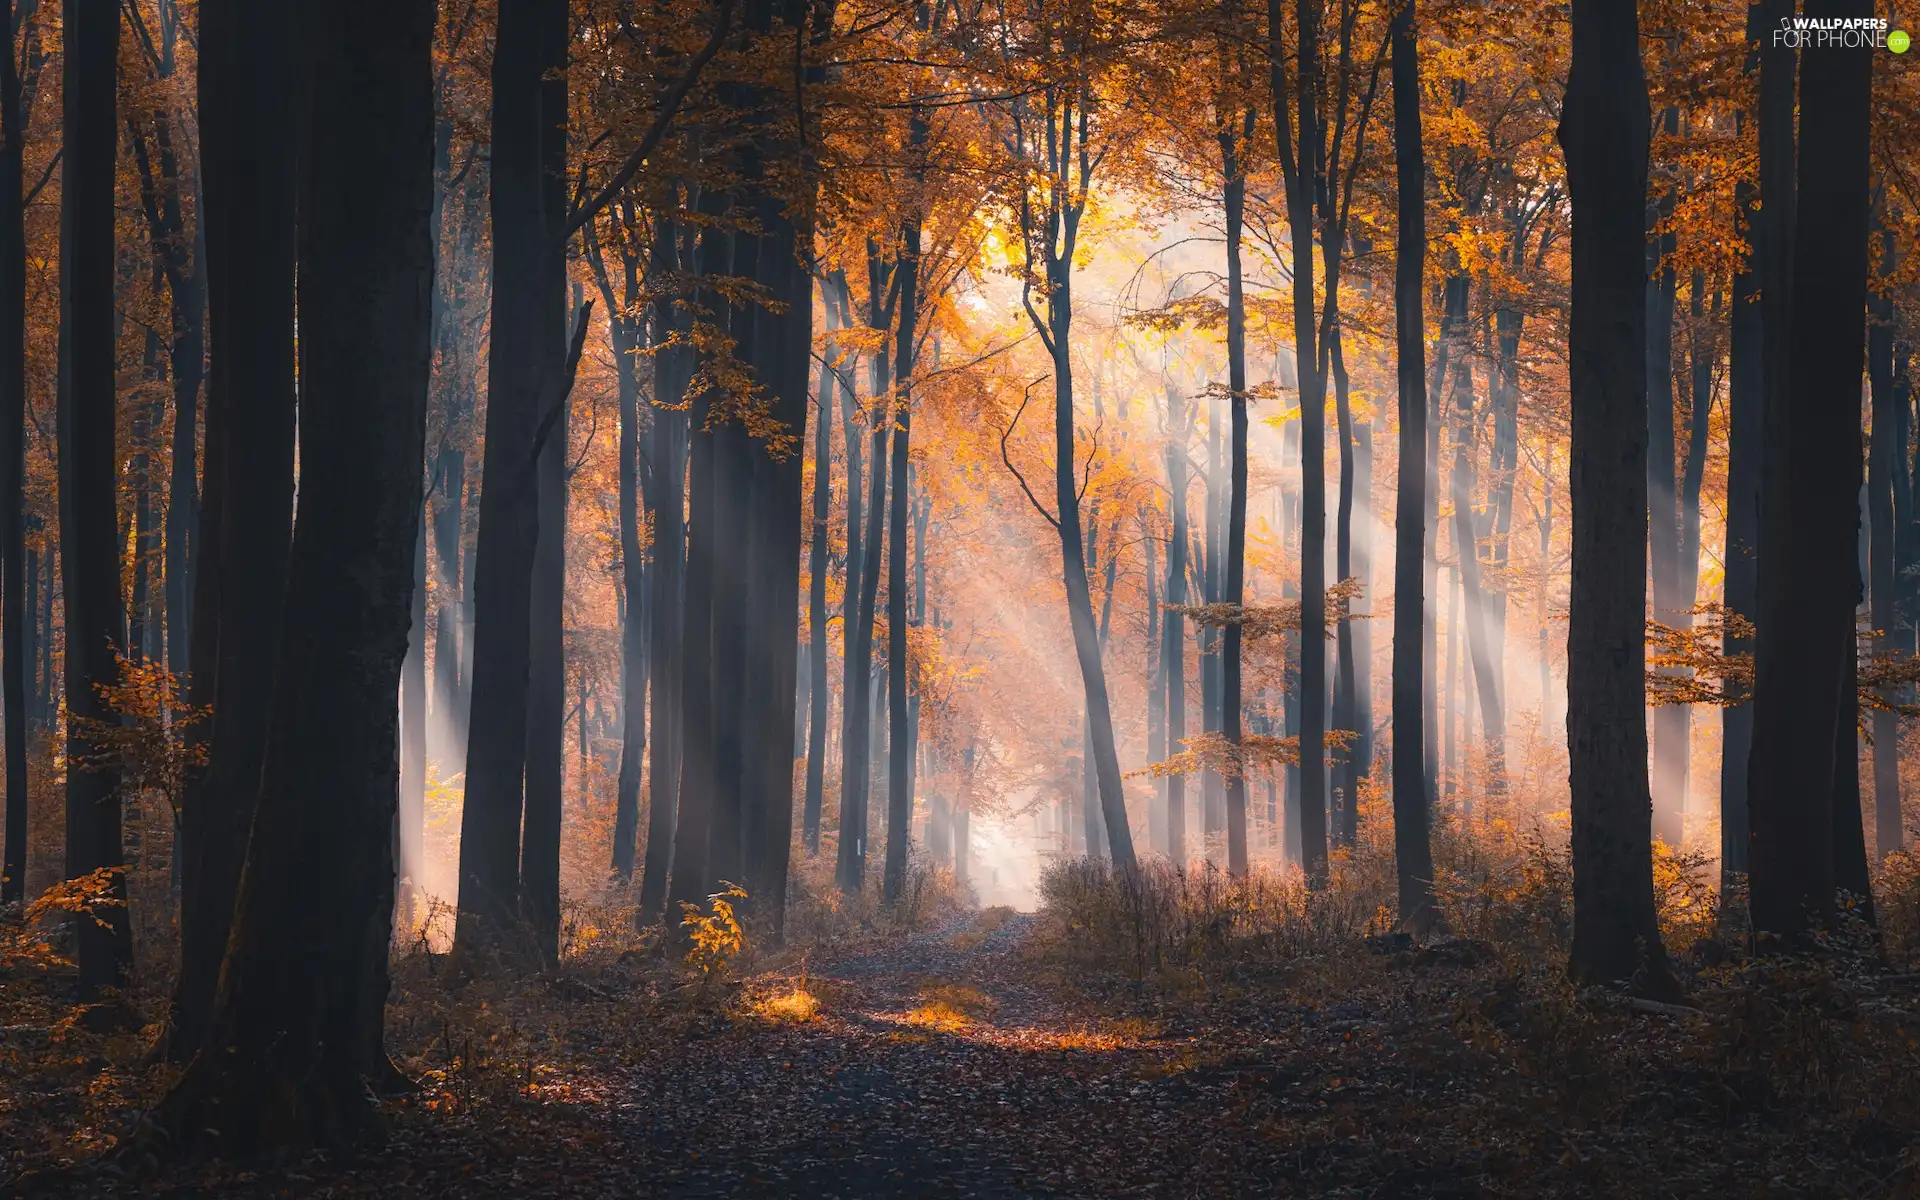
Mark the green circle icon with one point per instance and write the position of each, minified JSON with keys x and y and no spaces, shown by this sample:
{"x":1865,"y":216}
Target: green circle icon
{"x":1898,"y":41}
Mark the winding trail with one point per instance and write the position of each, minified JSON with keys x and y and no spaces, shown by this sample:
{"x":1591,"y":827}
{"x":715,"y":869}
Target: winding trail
{"x":936,"y":1066}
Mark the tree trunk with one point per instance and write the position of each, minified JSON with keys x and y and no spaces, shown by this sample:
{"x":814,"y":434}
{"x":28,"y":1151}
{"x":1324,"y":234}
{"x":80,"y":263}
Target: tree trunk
{"x":16,"y":581}
{"x":1174,"y":624}
{"x":668,"y":438}
{"x":817,"y":601}
{"x":857,"y":695}
{"x":248,"y":154}
{"x":1236,"y":781}
{"x":1313,"y":396}
{"x":410,"y":831}
{"x":298,"y":1022}
{"x":1412,"y":798}
{"x":1603,"y":132}
{"x":1346,"y":679}
{"x":1810,"y":505}
{"x":623,"y":333}
{"x":900,"y":741}
{"x":89,"y":554}
{"x":1756,"y":386}
{"x":525,"y":352}
{"x":1887,"y":445}
{"x":1663,"y":536}
{"x":1156,"y":690}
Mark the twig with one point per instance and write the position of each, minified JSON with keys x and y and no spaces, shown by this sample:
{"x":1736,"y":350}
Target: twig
{"x":1007,"y":459}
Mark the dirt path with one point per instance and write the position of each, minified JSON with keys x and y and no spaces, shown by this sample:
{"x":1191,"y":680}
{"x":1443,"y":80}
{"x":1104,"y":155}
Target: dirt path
{"x":936,"y":1066}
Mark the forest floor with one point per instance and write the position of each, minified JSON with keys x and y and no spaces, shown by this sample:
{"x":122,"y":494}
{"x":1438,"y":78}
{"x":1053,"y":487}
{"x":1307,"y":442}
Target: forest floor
{"x":984,"y":1057}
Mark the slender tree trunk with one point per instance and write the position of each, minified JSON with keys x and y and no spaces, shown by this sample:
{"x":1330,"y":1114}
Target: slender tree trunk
{"x":1313,"y":485}
{"x":1156,"y":690}
{"x":668,"y":438}
{"x":410,"y":831}
{"x":1887,"y":445}
{"x":248,"y":155}
{"x":1466,"y":541}
{"x":1412,"y":797}
{"x":623,"y":333}
{"x":856,"y":743}
{"x":525,"y":353}
{"x":900,"y":742}
{"x":1810,"y":514}
{"x":1346,"y":823}
{"x":1603,"y":132}
{"x":1236,"y":509}
{"x":817,"y":601}
{"x":1174,"y":624}
{"x":1669,"y":721}
{"x":16,"y":575}
{"x":1066,"y":494}
{"x":1756,"y":386}
{"x":297,"y":1026}
{"x":89,"y":556}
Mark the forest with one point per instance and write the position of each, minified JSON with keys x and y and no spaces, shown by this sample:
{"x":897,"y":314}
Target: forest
{"x":1078,"y":598}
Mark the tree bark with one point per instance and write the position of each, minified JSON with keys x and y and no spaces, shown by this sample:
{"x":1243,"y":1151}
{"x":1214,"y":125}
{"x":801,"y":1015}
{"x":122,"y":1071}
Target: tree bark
{"x":1236,"y":193}
{"x":15,"y":578}
{"x":526,"y":347}
{"x":817,"y":601}
{"x":410,"y":823}
{"x":1603,"y":132}
{"x":668,"y":438}
{"x":297,"y":1024}
{"x":1663,"y":525}
{"x":1302,"y":177}
{"x":89,"y":553}
{"x":857,"y":697}
{"x":1412,"y":798}
{"x":900,"y":741}
{"x":1887,"y":445}
{"x":1810,"y":501}
{"x":1756,"y":387}
{"x":1174,"y":624}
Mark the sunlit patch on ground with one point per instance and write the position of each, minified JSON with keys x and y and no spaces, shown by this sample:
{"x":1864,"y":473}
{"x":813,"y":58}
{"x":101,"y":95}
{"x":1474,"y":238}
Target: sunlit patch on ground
{"x":792,"y":1007}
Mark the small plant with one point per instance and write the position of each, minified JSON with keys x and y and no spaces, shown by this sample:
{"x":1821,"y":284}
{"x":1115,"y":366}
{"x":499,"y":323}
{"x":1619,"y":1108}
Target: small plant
{"x":717,"y":937}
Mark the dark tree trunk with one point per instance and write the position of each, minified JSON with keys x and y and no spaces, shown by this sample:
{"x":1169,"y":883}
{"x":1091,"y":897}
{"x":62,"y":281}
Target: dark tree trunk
{"x":16,"y":576}
{"x":1810,"y":501}
{"x":1466,"y":543}
{"x":1603,"y":132}
{"x":817,"y":601}
{"x":857,"y":694}
{"x":1663,"y":523}
{"x":1850,"y":873}
{"x":1888,"y":445}
{"x":1156,"y":690}
{"x":1412,"y":798}
{"x":410,"y":831}
{"x":1236,"y":194}
{"x":1756,"y":386}
{"x":89,"y":554}
{"x":547,"y":666}
{"x":636,"y":489}
{"x":449,"y":527}
{"x":1302,"y":176}
{"x":672,"y":371}
{"x":900,"y":742}
{"x":297,"y":1025}
{"x":529,"y":283}
{"x":694,"y":874}
{"x":1174,"y":626}
{"x":785,"y":346}
{"x":1346,"y":677}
